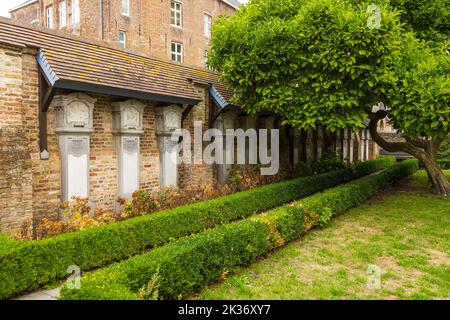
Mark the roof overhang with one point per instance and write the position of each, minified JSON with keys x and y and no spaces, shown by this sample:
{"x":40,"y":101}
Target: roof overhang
{"x":217,"y":97}
{"x":121,"y":92}
{"x":55,"y":82}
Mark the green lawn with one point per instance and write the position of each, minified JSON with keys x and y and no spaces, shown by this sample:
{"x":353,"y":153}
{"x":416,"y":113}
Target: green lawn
{"x":404,"y":231}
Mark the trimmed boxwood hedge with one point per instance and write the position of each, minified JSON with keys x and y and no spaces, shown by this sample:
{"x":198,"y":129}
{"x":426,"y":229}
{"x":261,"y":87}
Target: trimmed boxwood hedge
{"x":191,"y":263}
{"x":35,"y":263}
{"x":7,"y":244}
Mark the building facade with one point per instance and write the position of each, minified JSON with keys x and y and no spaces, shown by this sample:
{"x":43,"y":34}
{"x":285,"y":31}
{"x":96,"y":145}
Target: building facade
{"x":177,"y":30}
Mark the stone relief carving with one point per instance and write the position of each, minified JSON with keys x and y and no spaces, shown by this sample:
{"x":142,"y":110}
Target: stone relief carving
{"x":172,"y":120}
{"x":168,"y":119}
{"x":74,"y":113}
{"x":131,"y":118}
{"x":128,"y":117}
{"x":77,"y":114}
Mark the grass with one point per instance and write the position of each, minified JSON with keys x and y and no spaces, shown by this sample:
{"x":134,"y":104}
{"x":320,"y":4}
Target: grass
{"x":402,"y":231}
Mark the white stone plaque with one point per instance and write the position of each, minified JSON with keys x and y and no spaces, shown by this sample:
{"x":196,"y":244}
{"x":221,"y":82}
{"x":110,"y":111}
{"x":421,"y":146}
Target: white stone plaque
{"x":129,"y":173}
{"x":77,"y":166}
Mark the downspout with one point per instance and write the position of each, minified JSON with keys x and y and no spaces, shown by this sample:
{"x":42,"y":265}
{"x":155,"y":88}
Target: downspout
{"x":101,"y":20}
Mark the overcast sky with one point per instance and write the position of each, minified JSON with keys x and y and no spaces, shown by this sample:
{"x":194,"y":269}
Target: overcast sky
{"x":5,"y":5}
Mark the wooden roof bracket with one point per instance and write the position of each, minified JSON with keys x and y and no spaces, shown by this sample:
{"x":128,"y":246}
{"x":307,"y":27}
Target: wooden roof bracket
{"x":46,"y":94}
{"x":47,"y":80}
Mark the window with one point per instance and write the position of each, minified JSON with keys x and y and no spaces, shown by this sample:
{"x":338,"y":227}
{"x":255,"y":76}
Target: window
{"x":207,"y":25}
{"x":122,"y":39}
{"x":177,"y":52}
{"x":175,"y":13}
{"x":126,"y":7}
{"x":75,"y":11}
{"x":62,"y":14}
{"x":49,"y":17}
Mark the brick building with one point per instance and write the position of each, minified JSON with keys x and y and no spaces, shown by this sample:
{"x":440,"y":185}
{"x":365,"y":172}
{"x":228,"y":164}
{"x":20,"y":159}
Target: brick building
{"x":167,"y":29}
{"x":82,"y":118}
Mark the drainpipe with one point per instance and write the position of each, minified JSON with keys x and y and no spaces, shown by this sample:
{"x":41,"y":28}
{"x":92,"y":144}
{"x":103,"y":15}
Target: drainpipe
{"x":101,"y":19}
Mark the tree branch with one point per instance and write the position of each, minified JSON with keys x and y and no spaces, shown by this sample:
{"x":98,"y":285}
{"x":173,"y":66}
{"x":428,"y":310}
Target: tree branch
{"x":418,"y":142}
{"x":391,"y":146}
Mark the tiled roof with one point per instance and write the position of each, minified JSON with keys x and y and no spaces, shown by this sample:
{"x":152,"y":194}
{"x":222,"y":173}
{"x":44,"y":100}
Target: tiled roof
{"x":69,"y":59}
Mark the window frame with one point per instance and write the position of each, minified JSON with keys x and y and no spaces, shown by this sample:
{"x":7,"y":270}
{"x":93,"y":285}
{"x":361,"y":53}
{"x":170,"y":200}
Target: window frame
{"x":178,"y":55}
{"x":122,"y":44}
{"x":49,"y":17}
{"x":207,"y":28}
{"x":127,"y":7}
{"x":173,"y":14}
{"x":76,"y":14}
{"x":62,"y":14}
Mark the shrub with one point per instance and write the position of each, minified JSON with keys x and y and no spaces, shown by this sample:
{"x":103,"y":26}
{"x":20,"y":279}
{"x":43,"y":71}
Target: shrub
{"x":191,"y":263}
{"x":6,"y":244}
{"x":36,"y":263}
{"x":77,"y":215}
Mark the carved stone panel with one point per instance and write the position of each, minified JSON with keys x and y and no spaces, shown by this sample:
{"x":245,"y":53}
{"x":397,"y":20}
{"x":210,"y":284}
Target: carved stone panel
{"x":131,"y":118}
{"x":168,"y":119}
{"x":74,"y":113}
{"x":128,"y":117}
{"x":77,"y":114}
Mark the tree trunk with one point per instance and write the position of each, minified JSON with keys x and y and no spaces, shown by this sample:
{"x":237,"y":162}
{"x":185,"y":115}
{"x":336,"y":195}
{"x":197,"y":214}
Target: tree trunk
{"x":436,"y":175}
{"x":423,"y":149}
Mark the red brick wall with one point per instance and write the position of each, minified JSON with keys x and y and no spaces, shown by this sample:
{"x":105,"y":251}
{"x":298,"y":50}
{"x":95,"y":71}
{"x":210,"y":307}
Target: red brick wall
{"x":15,"y":162}
{"x":197,"y":174}
{"x":148,"y":28}
{"x":28,"y":14}
{"x":30,"y":188}
{"x":103,"y":178}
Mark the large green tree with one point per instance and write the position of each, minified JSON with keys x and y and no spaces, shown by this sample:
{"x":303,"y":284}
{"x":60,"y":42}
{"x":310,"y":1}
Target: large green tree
{"x":429,"y":19}
{"x":329,"y":62}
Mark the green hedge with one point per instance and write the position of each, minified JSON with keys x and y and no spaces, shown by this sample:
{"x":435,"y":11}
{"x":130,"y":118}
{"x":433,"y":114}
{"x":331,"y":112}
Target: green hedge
{"x":189,"y":264}
{"x":36,"y":263}
{"x":7,"y":244}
